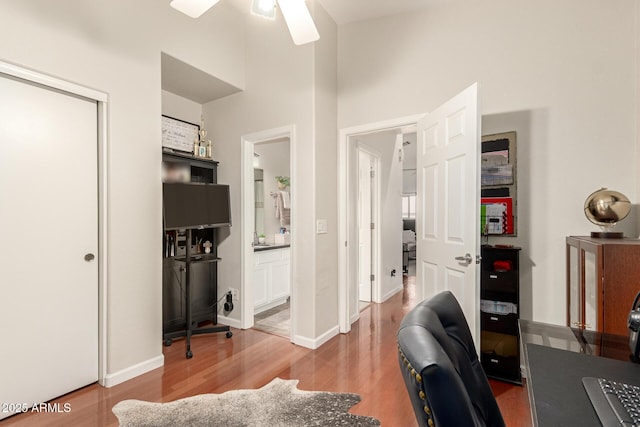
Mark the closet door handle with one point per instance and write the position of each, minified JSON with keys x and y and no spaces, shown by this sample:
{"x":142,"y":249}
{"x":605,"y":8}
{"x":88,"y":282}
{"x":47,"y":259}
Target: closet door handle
{"x":89,"y":257}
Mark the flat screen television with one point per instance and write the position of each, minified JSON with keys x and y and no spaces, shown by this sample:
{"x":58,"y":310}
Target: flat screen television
{"x":195,"y":205}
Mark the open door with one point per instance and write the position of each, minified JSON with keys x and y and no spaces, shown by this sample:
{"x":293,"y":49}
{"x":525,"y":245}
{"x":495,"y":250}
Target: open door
{"x":365,"y":226}
{"x":447,"y":220}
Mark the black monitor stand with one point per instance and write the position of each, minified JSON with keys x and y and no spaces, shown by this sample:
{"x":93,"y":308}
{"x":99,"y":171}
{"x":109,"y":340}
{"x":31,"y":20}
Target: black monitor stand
{"x":189,"y":330}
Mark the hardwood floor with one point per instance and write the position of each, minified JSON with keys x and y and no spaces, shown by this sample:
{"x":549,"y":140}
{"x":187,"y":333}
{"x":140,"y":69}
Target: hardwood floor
{"x":363,"y":362}
{"x":513,"y":402}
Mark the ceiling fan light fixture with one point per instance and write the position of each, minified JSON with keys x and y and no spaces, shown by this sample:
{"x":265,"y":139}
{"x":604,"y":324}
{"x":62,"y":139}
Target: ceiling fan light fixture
{"x":193,"y":8}
{"x":299,"y":21}
{"x":264,"y":8}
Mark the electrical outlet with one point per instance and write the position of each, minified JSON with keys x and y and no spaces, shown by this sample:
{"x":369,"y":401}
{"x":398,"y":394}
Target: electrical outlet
{"x":234,"y":293}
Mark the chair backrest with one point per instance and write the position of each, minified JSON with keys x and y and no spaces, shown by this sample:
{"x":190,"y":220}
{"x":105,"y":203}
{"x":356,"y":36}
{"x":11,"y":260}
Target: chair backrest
{"x":445,"y":380}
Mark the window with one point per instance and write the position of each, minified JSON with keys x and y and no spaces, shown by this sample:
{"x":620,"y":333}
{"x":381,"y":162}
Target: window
{"x":408,"y":206}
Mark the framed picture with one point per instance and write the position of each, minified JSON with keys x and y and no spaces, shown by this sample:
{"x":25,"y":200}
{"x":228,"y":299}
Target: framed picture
{"x":178,"y":134}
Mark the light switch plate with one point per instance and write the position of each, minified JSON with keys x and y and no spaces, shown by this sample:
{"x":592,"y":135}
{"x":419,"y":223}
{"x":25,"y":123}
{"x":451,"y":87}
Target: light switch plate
{"x":321,"y":226}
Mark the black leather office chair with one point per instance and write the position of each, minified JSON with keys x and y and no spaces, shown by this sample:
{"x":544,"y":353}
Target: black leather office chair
{"x":440,"y":366}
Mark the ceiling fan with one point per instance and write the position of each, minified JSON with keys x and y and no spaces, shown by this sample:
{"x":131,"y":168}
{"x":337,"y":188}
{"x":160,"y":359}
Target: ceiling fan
{"x":295,"y":13}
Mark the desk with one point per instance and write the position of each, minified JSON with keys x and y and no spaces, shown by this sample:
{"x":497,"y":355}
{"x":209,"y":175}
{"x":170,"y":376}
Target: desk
{"x":556,"y":360}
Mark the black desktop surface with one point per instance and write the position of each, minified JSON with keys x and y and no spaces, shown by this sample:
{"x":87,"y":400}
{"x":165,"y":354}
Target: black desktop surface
{"x":555,"y":379}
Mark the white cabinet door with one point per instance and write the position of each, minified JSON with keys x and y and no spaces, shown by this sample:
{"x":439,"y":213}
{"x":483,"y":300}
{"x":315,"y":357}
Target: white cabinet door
{"x":49,"y":217}
{"x":280,"y":279}
{"x":260,"y":284}
{"x":271,"y":278}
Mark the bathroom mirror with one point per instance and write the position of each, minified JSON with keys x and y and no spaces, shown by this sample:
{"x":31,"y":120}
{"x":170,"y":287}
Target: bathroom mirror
{"x":271,"y":163}
{"x":258,"y":191}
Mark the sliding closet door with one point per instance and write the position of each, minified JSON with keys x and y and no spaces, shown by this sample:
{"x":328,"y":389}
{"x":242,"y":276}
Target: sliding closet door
{"x":48,"y":250}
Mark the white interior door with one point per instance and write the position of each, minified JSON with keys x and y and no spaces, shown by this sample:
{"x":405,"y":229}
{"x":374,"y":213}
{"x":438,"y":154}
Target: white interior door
{"x":364,"y":226}
{"x":49,"y":217}
{"x":447,"y":220}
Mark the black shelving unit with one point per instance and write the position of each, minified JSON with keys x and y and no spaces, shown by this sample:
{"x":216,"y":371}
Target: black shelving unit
{"x":500,"y":311}
{"x":189,"y":277}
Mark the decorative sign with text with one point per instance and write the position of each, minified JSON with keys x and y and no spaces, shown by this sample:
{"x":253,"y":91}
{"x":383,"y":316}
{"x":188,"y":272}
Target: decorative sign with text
{"x":179,"y":135}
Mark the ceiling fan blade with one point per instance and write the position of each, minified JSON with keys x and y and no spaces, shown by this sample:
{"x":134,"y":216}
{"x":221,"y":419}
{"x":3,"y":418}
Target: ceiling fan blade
{"x":193,"y":8}
{"x":299,"y":21}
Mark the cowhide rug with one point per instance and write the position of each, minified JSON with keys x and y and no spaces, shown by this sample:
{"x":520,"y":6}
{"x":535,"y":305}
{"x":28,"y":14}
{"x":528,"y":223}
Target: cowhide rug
{"x":277,"y":404}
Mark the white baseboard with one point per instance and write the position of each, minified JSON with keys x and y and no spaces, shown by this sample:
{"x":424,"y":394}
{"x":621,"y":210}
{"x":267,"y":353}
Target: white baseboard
{"x":391,"y":293}
{"x":354,"y":318}
{"x":132,"y":371}
{"x":317,"y":342}
{"x":230,"y":321}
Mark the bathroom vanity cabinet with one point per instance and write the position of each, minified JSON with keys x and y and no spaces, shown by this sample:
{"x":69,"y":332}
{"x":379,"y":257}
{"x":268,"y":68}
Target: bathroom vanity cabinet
{"x":271,"y":277}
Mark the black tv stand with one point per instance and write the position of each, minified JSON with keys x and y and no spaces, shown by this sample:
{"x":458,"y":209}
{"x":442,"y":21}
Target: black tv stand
{"x":189,"y":277}
{"x":189,"y":331}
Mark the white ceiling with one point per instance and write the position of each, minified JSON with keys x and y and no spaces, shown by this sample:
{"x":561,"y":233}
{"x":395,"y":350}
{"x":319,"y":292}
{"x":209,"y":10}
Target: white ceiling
{"x":345,"y":11}
{"x":202,"y":87}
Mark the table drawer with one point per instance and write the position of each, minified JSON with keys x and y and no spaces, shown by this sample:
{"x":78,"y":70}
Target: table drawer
{"x":501,"y":367}
{"x":502,"y":323}
{"x":500,"y":281}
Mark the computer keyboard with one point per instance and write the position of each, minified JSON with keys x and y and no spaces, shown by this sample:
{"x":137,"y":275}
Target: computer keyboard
{"x":616,"y":403}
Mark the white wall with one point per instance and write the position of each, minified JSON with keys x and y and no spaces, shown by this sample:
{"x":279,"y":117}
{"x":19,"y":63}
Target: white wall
{"x":278,"y":93}
{"x":274,"y":161}
{"x":115,"y":47}
{"x":287,"y":85}
{"x":387,"y":145}
{"x":181,"y":108}
{"x":565,"y":72}
{"x":409,"y":173}
{"x":326,"y":171}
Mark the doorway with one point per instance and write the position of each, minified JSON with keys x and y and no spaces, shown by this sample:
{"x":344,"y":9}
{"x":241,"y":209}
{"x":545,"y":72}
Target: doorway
{"x":268,"y":231}
{"x":447,"y":201}
{"x":409,"y":192}
{"x":272,"y":223}
{"x":348,"y":255}
{"x":374,"y":186}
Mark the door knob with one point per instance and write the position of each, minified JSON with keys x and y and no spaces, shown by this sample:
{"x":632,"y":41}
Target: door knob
{"x":466,"y":258}
{"x":89,"y":257}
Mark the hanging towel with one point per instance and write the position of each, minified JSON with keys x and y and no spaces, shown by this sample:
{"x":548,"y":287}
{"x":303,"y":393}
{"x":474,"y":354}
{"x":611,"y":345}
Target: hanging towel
{"x":286,"y":199}
{"x":282,"y":213}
